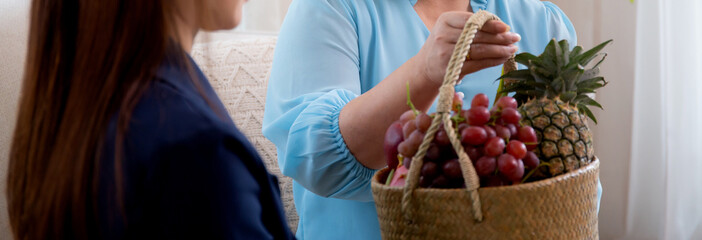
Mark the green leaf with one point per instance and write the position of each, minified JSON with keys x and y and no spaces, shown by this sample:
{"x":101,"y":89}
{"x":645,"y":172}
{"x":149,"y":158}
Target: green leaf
{"x":590,"y":73}
{"x":549,"y":55}
{"x":537,"y":77}
{"x":576,"y":51}
{"x":592,"y":80}
{"x":604,"y":56}
{"x":571,"y":77}
{"x":500,"y":91}
{"x":517,"y":75}
{"x":591,"y":86}
{"x":389,"y":180}
{"x":544,"y":73}
{"x":568,"y":96}
{"x":585,"y":90}
{"x":565,"y":47}
{"x":573,"y":66}
{"x":536,"y":85}
{"x":584,"y":99}
{"x":592,"y":83}
{"x":525,"y":58}
{"x":584,"y":109}
{"x":558,"y":54}
{"x":525,"y":85}
{"x":558,"y":84}
{"x":587,"y":61}
{"x":580,"y":98}
{"x":409,"y":102}
{"x":586,"y":57}
{"x":515,"y":87}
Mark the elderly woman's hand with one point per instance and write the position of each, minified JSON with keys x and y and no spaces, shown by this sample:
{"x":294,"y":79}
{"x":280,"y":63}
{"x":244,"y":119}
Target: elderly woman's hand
{"x":492,"y":46}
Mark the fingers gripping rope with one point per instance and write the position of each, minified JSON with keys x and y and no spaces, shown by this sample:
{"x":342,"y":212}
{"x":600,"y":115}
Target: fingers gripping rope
{"x":443,"y":117}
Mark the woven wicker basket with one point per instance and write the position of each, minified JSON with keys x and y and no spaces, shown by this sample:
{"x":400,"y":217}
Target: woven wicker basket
{"x":563,"y":207}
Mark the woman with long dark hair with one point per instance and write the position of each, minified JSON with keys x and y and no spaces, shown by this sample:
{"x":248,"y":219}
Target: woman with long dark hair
{"x":119,"y":134}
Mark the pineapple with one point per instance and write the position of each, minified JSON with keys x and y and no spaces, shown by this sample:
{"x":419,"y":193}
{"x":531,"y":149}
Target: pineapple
{"x":553,"y":96}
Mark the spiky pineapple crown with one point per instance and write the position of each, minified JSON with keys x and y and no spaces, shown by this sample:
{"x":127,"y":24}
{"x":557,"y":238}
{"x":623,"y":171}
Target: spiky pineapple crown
{"x":558,"y":72}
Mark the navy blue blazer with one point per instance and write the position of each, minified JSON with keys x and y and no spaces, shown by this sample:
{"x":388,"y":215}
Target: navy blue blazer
{"x":188,"y":173}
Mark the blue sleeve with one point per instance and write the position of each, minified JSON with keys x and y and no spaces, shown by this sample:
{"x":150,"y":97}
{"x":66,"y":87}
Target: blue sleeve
{"x":559,"y":26}
{"x":313,"y":77}
{"x":212,"y":186}
{"x":538,"y":22}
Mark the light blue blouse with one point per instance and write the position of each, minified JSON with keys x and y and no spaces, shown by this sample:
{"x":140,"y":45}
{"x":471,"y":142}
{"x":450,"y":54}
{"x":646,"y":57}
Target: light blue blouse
{"x":331,"y":51}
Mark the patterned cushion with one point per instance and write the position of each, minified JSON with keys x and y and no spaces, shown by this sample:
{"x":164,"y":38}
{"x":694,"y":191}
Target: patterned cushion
{"x":238,"y":67}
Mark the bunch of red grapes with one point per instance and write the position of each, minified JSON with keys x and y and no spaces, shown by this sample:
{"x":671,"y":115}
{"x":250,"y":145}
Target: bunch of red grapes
{"x":494,"y":139}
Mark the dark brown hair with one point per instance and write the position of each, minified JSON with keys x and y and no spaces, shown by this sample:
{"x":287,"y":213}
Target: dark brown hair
{"x":87,"y":60}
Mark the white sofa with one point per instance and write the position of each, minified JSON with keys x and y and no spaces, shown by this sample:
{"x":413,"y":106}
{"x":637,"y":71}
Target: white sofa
{"x":237,"y":65}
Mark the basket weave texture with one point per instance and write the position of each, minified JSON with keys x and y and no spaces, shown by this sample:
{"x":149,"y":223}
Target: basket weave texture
{"x":563,"y":207}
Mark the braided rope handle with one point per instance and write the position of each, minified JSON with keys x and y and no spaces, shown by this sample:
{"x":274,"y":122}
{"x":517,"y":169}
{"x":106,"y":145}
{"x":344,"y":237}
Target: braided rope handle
{"x":443,"y":112}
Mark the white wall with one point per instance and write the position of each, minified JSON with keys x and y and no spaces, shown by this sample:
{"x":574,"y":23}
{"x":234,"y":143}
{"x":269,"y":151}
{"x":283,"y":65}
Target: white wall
{"x":264,"y":15}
